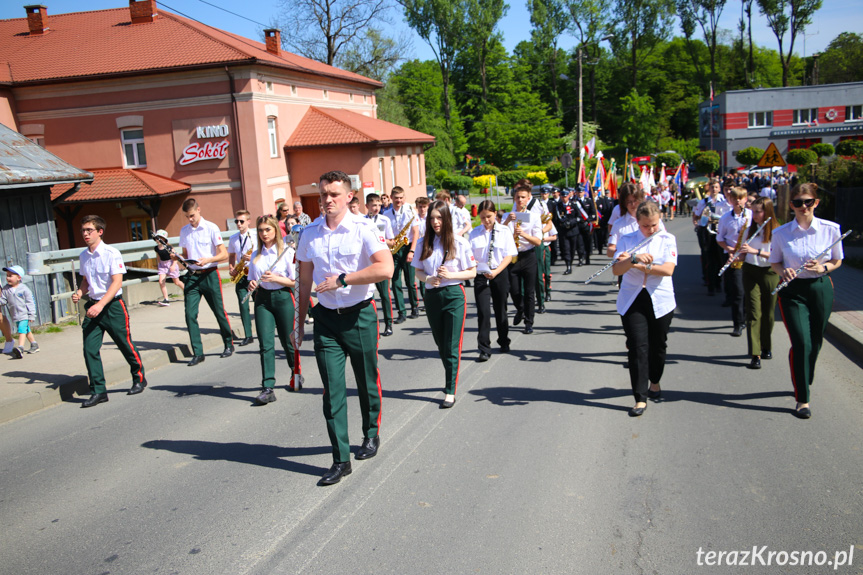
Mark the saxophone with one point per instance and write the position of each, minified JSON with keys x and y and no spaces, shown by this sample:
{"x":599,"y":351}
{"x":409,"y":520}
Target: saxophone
{"x":738,"y":262}
{"x":242,"y":269}
{"x":517,"y":239}
{"x":401,"y":240}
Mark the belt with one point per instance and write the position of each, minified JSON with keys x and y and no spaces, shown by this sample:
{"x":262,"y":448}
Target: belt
{"x":115,"y":298}
{"x":349,"y":309}
{"x":204,"y":271}
{"x":437,"y":289}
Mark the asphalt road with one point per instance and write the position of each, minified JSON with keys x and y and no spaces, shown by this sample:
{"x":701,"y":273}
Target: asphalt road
{"x":537,"y":469}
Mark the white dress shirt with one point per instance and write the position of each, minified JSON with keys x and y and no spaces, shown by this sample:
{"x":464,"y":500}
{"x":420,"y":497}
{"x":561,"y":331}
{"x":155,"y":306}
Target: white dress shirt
{"x":663,"y":248}
{"x":548,"y":234}
{"x":98,"y":267}
{"x":462,"y":261}
{"x":400,"y":219}
{"x":615,"y":214}
{"x":502,"y":246}
{"x":625,"y":224}
{"x":201,"y":242}
{"x":264,"y":258}
{"x":382,"y":223}
{"x":792,"y":246}
{"x":532,"y":228}
{"x":239,"y":243}
{"x":729,"y":226}
{"x":759,"y":244}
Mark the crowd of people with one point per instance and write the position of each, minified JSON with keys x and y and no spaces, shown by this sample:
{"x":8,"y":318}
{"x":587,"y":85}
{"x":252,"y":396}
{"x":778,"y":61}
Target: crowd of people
{"x":344,"y":257}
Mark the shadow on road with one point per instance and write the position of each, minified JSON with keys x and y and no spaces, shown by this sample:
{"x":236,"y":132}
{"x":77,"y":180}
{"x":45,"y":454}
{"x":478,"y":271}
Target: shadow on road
{"x":509,"y":396}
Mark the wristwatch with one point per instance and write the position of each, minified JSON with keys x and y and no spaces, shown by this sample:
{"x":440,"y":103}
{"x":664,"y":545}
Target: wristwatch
{"x":634,"y":261}
{"x":648,"y":267}
{"x":343,"y":281}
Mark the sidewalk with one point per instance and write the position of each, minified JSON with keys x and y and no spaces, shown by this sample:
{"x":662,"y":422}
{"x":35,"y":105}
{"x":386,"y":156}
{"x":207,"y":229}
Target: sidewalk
{"x":57,"y":372}
{"x":846,"y":321}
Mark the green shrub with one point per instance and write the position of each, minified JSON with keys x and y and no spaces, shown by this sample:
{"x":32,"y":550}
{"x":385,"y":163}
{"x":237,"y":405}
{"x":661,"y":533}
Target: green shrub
{"x":488,"y":170}
{"x":749,"y":156}
{"x":509,"y":178}
{"x":554,"y":171}
{"x":440,"y":175}
{"x":706,"y":162}
{"x":670,"y":160}
{"x":823,"y":150}
{"x":801,"y":157}
{"x":455,"y":182}
{"x":850,"y":148}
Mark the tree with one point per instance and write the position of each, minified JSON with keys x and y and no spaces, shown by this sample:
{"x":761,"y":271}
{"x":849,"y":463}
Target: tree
{"x":749,"y":156}
{"x":801,"y":157}
{"x":706,"y":162}
{"x":706,"y":13}
{"x":483,"y":17}
{"x":840,"y":62}
{"x":374,"y":55}
{"x":670,"y":159}
{"x":591,"y":20}
{"x":823,"y":150}
{"x":642,"y":24}
{"x":639,"y":125}
{"x":788,"y":16}
{"x":850,"y":148}
{"x":549,"y":20}
{"x":320,"y":29}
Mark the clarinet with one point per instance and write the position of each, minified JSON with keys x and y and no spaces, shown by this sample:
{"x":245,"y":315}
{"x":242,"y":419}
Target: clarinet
{"x":816,"y":258}
{"x":737,"y":251}
{"x":631,"y":250}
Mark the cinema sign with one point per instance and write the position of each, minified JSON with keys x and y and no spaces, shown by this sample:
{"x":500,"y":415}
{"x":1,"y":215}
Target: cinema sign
{"x":209,"y":150}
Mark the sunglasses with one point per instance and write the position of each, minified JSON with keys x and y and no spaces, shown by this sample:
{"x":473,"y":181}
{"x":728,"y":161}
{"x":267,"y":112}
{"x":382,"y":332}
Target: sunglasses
{"x":238,"y":222}
{"x":798,"y":203}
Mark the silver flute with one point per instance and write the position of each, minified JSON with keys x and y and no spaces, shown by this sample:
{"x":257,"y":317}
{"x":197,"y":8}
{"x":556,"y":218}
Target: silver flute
{"x":816,"y":258}
{"x":295,"y":233}
{"x":633,"y":249}
{"x":737,"y":252}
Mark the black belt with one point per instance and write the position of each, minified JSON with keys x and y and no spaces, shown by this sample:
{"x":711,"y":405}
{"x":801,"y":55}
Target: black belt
{"x":347,"y":310}
{"x":115,"y":298}
{"x":204,"y":271}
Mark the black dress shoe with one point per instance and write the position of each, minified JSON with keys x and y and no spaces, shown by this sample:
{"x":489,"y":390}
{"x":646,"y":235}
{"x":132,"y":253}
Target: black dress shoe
{"x":246,"y":341}
{"x":540,"y":309}
{"x":579,"y":264}
{"x":568,"y":270}
{"x":587,"y":262}
{"x":415,"y":313}
{"x":654,"y":394}
{"x":637,"y":411}
{"x":447,"y":404}
{"x":767,"y":355}
{"x":196,"y":360}
{"x":369,"y":448}
{"x":625,"y":365}
{"x":528,"y":329}
{"x":229,"y":351}
{"x":266,"y":396}
{"x":504,"y":349}
{"x":137,"y":388}
{"x":388,"y":331}
{"x":519,"y":315}
{"x":755,"y":363}
{"x":548,"y":296}
{"x":483,"y":356}
{"x":804,"y":413}
{"x":335,"y":474}
{"x":95,"y":399}
{"x":738,"y":331}
{"x":400,"y":319}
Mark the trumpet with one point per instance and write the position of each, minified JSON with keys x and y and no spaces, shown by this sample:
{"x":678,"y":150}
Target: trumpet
{"x":517,"y":240}
{"x":401,"y":240}
{"x":242,"y":269}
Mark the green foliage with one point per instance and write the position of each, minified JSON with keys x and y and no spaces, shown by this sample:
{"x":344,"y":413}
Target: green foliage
{"x":706,"y":162}
{"x":801,"y":157}
{"x":509,"y":178}
{"x":749,"y":156}
{"x":823,"y":150}
{"x":670,"y":160}
{"x":456,"y":182}
{"x":840,"y":62}
{"x":850,"y":148}
{"x":440,"y":175}
{"x":488,"y":170}
{"x":537,"y":178}
{"x":685,"y":148}
{"x":554,"y":171}
{"x":639,"y":123}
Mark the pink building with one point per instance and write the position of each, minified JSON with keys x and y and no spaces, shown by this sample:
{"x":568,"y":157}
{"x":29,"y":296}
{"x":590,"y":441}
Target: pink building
{"x":161,"y":108}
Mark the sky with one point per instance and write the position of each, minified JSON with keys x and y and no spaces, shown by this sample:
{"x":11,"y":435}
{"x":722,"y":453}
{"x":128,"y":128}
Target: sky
{"x":834,"y":17}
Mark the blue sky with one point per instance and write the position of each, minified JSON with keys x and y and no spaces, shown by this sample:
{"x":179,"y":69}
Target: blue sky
{"x":834,"y":17}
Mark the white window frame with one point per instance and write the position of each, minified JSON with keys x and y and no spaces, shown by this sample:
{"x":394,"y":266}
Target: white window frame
{"x":381,"y":175}
{"x":273,"y":137}
{"x":410,"y":172}
{"x":804,"y":117}
{"x":137,"y":146}
{"x":850,"y":116}
{"x":393,"y":170}
{"x":766,"y":120}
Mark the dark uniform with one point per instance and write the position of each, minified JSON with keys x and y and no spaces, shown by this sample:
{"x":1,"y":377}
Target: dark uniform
{"x":604,"y":206}
{"x":586,"y":219}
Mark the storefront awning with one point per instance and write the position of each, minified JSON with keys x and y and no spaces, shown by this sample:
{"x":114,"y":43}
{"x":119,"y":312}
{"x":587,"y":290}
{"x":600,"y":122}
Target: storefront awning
{"x":119,"y":184}
{"x":326,"y":127}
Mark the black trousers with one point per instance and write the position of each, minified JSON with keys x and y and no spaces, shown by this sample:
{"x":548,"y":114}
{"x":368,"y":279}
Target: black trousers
{"x":568,"y":247}
{"x":522,"y":275}
{"x":583,"y":244}
{"x":491,"y":294}
{"x":734,"y":293}
{"x":555,"y":250}
{"x":600,"y":238}
{"x":646,"y":337}
{"x":712,"y":262}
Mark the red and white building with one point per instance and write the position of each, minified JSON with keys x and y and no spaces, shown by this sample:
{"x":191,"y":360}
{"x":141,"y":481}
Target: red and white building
{"x":161,"y":108}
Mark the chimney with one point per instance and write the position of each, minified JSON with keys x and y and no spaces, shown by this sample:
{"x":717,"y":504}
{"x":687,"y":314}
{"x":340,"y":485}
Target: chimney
{"x":274,"y":40}
{"x":37,"y":18}
{"x":142,"y":11}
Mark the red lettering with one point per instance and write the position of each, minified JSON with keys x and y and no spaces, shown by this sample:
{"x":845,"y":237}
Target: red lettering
{"x":209,"y":151}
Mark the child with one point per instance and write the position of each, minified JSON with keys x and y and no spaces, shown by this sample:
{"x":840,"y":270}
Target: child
{"x":167,"y":269}
{"x":22,"y":309}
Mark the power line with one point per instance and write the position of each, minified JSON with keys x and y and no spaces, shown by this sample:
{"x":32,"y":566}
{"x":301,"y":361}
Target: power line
{"x":233,"y":13}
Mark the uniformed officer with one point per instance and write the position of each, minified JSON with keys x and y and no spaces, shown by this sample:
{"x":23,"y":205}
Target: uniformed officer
{"x":274,"y":301}
{"x":240,"y":248}
{"x":568,"y":216}
{"x":202,"y":242}
{"x":604,"y":207}
{"x":344,"y":257}
{"x":522,"y":274}
{"x":102,"y":270}
{"x":384,"y":227}
{"x":444,"y":263}
{"x":401,"y":214}
{"x":586,"y":221}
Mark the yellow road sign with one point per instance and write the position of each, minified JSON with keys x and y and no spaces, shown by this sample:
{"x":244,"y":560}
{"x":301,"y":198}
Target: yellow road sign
{"x":771,"y":158}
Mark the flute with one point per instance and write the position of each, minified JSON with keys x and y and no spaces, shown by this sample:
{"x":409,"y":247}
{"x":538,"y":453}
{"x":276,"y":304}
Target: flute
{"x":278,"y":259}
{"x":737,"y":251}
{"x":638,"y":246}
{"x":816,"y":258}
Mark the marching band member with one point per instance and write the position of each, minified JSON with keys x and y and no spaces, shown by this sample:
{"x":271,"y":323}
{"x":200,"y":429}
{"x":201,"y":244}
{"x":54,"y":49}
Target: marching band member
{"x":759,"y":281}
{"x":382,"y":223}
{"x":522,"y":274}
{"x":493,"y":248}
{"x":713,"y":203}
{"x":586,"y":220}
{"x":806,"y":303}
{"x":422,"y":207}
{"x":274,"y":301}
{"x":401,"y":214}
{"x":446,"y":260}
{"x":344,"y":257}
{"x":732,"y":225}
{"x":646,"y":302}
{"x":240,"y":248}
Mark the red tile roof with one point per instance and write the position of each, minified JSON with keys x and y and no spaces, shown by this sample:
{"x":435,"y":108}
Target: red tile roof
{"x":120,"y":184}
{"x":105,"y":42}
{"x":338,"y":127}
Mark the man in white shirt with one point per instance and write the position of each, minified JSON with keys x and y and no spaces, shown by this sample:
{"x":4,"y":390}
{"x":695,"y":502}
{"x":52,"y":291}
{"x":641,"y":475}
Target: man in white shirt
{"x":201,"y":242}
{"x":385,"y":229}
{"x":240,"y":248}
{"x":527,"y":231}
{"x":400,"y":216}
{"x":464,"y":218}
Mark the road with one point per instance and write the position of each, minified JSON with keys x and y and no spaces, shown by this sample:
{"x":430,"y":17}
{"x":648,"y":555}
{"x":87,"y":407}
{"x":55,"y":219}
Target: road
{"x":537,"y":469}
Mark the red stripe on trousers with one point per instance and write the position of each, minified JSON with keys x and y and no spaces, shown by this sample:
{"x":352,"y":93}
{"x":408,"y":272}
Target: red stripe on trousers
{"x":791,"y":351}
{"x":297,"y":367}
{"x":461,"y":338}
{"x":377,"y":369}
{"x":129,"y":341}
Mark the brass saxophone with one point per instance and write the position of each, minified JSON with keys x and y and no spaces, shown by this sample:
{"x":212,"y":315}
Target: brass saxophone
{"x":401,"y":240}
{"x":517,"y":239}
{"x":738,"y":262}
{"x":242,"y":269}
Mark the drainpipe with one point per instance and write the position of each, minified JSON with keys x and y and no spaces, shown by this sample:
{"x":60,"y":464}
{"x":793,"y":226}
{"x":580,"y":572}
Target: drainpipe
{"x":235,"y":121}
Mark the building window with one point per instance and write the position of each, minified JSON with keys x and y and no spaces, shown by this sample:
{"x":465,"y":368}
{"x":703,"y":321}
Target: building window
{"x":272,"y":136}
{"x":393,"y":170}
{"x":805,"y":117}
{"x":410,"y":173}
{"x":133,"y":148}
{"x":853,"y":113}
{"x":326,"y":94}
{"x":760,"y":119}
{"x":803,"y":144}
{"x":293,"y":90}
{"x":139,"y":229}
{"x":381,"y":174}
{"x":419,"y":173}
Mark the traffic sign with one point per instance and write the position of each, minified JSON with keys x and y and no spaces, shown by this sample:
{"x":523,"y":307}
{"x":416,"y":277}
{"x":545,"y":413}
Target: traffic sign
{"x":771,"y":158}
{"x":566,"y":160}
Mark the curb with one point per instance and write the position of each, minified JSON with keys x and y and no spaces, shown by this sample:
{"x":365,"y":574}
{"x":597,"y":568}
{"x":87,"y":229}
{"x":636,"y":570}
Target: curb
{"x":845,"y":334}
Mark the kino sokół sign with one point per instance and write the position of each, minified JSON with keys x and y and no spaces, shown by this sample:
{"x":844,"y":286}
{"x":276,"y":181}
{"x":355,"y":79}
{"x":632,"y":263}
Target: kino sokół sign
{"x":197,"y":151}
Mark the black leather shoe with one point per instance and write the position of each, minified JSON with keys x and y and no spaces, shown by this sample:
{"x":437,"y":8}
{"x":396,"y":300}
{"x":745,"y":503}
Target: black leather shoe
{"x":483,"y":356}
{"x":266,"y":396}
{"x":804,"y":413}
{"x":137,"y":388}
{"x":568,"y":270}
{"x":519,"y":315}
{"x":579,"y":264}
{"x":335,"y":474}
{"x":196,"y":360}
{"x":246,"y":341}
{"x":755,"y":363}
{"x":548,"y":296}
{"x":229,"y":351}
{"x":587,"y":262}
{"x":738,"y":331}
{"x":767,"y":355}
{"x":400,"y":319}
{"x":388,"y":331}
{"x":528,"y":329}
{"x":637,"y":411}
{"x":415,"y":313}
{"x":504,"y":349}
{"x":447,"y":404}
{"x":369,"y":448}
{"x":540,"y":309}
{"x":654,"y":394}
{"x":95,"y":399}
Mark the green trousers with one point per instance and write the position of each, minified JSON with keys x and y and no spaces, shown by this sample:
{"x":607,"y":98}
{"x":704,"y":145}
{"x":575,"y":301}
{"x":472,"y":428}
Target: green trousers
{"x":805,"y":305}
{"x":242,"y":288}
{"x":403,"y":268}
{"x":543,"y":272}
{"x":114,"y":319}
{"x":445,"y":309}
{"x":386,"y":301}
{"x":760,"y":306}
{"x":210,"y":286}
{"x":274,"y":310}
{"x":337,"y":337}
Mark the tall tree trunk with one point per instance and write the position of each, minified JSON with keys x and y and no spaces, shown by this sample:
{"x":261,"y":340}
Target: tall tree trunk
{"x":482,"y":71}
{"x":554,"y":95}
{"x":751,"y":58}
{"x":446,"y":106}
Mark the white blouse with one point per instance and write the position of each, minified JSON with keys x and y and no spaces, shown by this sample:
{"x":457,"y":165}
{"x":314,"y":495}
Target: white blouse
{"x":504,"y":245}
{"x":259,"y":265}
{"x":663,"y":248}
{"x":792,"y":246}
{"x":462,"y":261}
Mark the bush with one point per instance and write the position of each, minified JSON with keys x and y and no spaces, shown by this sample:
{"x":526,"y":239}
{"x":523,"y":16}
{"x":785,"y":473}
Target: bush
{"x":440,"y":175}
{"x":801,"y":157}
{"x":823,"y":150}
{"x":454,"y":182}
{"x":749,"y":156}
{"x":670,"y":160}
{"x":706,"y":162}
{"x":537,"y":178}
{"x":554,"y":171}
{"x":850,"y":148}
{"x":509,"y":178}
{"x":481,"y":182}
{"x":488,"y":170}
